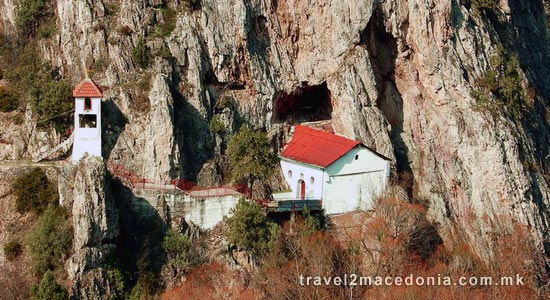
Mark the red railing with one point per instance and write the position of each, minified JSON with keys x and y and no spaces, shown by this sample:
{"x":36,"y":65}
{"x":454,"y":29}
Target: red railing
{"x":140,"y":182}
{"x":121,"y":172}
{"x":263,"y":202}
{"x":184,"y":185}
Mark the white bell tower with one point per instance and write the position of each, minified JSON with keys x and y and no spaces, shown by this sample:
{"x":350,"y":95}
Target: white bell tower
{"x":87,"y":119}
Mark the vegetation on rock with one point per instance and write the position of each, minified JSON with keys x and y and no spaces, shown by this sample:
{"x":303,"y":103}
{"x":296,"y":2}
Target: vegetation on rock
{"x":12,"y":249}
{"x":40,"y":85}
{"x":165,"y":52}
{"x":168,"y":24}
{"x":181,"y":252}
{"x":380,"y":246}
{"x":47,"y":28}
{"x":216,"y":126}
{"x":479,"y":5}
{"x":49,"y":289}
{"x":249,"y":227}
{"x":29,"y":13}
{"x":250,"y":157}
{"x":146,"y":288}
{"x":34,"y":192}
{"x":296,"y":253}
{"x":141,"y":54}
{"x":49,"y":240}
{"x":501,"y":88}
{"x":112,"y":8}
{"x":8,"y":100}
{"x":118,"y":282}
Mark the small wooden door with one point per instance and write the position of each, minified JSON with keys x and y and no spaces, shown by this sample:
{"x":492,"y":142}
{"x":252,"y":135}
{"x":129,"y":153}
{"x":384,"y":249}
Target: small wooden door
{"x":302,"y":189}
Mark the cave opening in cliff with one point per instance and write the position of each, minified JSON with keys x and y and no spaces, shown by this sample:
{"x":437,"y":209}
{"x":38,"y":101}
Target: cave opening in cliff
{"x":307,"y":103}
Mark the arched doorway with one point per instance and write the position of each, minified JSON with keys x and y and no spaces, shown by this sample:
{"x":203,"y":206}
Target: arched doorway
{"x":301,"y":190}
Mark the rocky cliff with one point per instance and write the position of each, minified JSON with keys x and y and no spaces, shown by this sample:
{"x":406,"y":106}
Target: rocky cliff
{"x":397,"y":75}
{"x":95,"y":222}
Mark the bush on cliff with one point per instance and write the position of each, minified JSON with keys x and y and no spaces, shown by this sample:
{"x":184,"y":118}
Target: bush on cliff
{"x":29,"y":13}
{"x":12,"y":249}
{"x":216,"y":126}
{"x":249,"y":227}
{"x":501,"y":88}
{"x":40,"y":85}
{"x":141,"y":54}
{"x":49,"y":289}
{"x":49,"y":240}
{"x":479,"y":5}
{"x":34,"y":192}
{"x":181,"y":252}
{"x":250,"y":157}
{"x":8,"y":100}
{"x":165,"y":28}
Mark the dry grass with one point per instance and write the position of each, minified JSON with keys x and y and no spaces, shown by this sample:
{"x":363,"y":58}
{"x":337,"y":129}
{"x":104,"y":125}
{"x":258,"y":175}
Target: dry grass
{"x":213,"y":281}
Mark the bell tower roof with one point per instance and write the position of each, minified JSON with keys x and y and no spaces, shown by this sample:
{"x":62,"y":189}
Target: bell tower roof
{"x":87,"y":88}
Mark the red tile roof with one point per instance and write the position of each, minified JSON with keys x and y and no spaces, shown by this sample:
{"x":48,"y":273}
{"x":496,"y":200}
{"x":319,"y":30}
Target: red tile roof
{"x":317,"y":147}
{"x":87,"y":88}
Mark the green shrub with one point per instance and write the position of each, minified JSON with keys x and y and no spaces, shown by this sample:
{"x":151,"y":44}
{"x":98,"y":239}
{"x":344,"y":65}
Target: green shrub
{"x":34,"y":192}
{"x":55,"y":100}
{"x":49,"y":240}
{"x":312,"y":223}
{"x":165,"y":28}
{"x":249,"y":227}
{"x":49,"y":289}
{"x":141,"y":54}
{"x":41,"y":86}
{"x":501,"y":87}
{"x":8,"y":100}
{"x":225,"y":102}
{"x":12,"y":249}
{"x":180,"y":251}
{"x":250,"y":157}
{"x":47,"y":28}
{"x":479,"y":5}
{"x":118,"y":284}
{"x":216,"y":126}
{"x":165,"y":53}
{"x":138,"y":292}
{"x":146,"y":288}
{"x":29,"y":13}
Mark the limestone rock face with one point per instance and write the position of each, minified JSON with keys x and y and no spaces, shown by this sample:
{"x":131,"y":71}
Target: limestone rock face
{"x":160,"y":153}
{"x":22,"y":138}
{"x":209,"y":175}
{"x":7,"y":15}
{"x":95,"y":225}
{"x":95,"y":218}
{"x":475,"y":170}
{"x":96,"y":284}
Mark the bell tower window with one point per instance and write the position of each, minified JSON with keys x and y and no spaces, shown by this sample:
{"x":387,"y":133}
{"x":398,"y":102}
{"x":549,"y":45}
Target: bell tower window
{"x":87,"y":104}
{"x":87,"y":121}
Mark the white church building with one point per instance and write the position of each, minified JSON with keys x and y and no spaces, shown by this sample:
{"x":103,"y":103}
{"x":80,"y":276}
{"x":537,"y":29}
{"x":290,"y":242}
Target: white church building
{"x":87,"y":119}
{"x":343,"y":173}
